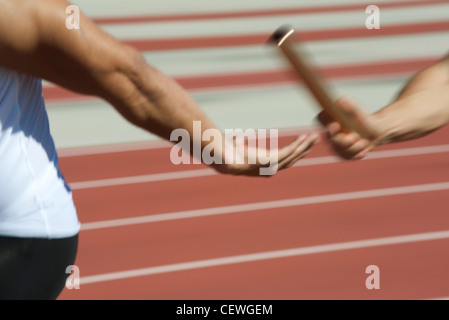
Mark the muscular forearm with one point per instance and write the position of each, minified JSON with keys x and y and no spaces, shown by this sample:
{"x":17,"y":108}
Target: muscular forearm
{"x":414,"y":115}
{"x":433,"y":76}
{"x":421,"y":107}
{"x":155,"y":102}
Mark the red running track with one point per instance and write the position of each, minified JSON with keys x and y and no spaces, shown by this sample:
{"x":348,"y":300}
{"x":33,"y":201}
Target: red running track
{"x":309,"y":232}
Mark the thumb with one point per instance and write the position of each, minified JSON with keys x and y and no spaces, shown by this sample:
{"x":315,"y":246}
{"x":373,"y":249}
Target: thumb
{"x":356,"y":117}
{"x":350,"y":108}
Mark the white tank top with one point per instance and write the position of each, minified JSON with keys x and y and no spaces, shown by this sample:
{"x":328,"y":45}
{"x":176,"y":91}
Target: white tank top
{"x":35,"y":200}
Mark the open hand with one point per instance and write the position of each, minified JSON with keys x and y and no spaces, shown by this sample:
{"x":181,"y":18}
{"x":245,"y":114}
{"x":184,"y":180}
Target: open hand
{"x":257,"y":162}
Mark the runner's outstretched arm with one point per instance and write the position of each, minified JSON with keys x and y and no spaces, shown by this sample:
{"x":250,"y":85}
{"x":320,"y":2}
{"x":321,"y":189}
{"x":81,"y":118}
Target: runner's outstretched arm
{"x":421,"y":107}
{"x":34,"y":39}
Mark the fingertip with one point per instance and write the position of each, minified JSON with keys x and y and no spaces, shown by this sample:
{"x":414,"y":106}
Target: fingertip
{"x":361,"y":155}
{"x":345,"y":99}
{"x":333,"y":128}
{"x":347,"y":104}
{"x":315,"y":138}
{"x":340,"y":102}
{"x":351,"y":138}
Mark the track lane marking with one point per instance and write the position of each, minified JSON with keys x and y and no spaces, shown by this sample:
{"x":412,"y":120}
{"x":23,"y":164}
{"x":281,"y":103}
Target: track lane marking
{"x":188,"y":174}
{"x":257,"y":13}
{"x":277,"y":254}
{"x":265,"y":205}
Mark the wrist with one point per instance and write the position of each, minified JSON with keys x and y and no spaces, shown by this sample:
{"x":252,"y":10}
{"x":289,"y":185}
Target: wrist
{"x":390,"y":123}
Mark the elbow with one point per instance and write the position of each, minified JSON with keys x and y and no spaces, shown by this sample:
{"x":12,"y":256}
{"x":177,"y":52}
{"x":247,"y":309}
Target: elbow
{"x":139,"y":82}
{"x":119,"y":75}
{"x":129,"y":85}
{"x":131,"y":63}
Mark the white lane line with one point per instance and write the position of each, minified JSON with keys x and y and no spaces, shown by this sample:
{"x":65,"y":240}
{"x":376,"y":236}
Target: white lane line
{"x":254,"y":25}
{"x":126,"y":147}
{"x":379,"y":155}
{"x":185,"y":174}
{"x":440,"y":235}
{"x":111,"y":9}
{"x":142,"y":179}
{"x":275,"y":204}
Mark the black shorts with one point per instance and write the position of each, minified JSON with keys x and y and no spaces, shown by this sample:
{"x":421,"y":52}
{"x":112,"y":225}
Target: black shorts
{"x":35,"y":269}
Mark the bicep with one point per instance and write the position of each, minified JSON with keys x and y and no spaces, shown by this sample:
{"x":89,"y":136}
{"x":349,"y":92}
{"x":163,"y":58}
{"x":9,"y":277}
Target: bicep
{"x":34,"y":39}
{"x":25,"y":27}
{"x":86,"y":60}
